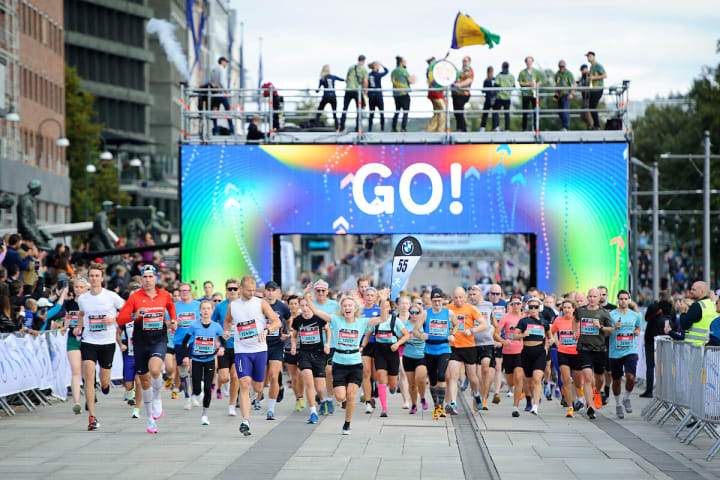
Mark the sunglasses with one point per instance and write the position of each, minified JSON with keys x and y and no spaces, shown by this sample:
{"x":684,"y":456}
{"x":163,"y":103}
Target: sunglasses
{"x":533,"y":307}
{"x":415,"y":312}
{"x":233,"y":289}
{"x":185,"y":290}
{"x":494,"y":293}
{"x":515,"y":303}
{"x":217,"y":301}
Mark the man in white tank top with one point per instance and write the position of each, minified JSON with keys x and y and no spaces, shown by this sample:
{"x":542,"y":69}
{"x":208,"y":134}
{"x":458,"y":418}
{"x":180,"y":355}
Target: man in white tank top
{"x":249,"y":319}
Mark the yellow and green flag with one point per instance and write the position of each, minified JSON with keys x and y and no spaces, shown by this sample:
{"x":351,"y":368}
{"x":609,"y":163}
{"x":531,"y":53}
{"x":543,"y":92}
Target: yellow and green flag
{"x":467,"y":32}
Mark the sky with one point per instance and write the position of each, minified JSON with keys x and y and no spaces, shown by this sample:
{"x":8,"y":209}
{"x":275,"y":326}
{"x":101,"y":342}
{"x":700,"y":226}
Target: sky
{"x":660,"y":46}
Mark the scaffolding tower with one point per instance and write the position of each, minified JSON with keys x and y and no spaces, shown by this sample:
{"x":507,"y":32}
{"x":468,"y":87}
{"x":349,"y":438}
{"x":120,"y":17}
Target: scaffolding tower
{"x":9,"y":64}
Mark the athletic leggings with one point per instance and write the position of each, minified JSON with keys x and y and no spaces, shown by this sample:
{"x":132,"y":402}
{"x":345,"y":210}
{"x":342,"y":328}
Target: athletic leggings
{"x":203,"y":372}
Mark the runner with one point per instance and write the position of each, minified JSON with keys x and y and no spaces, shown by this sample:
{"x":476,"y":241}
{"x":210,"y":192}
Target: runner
{"x":188,"y":312}
{"x":146,"y":308}
{"x":275,"y":343}
{"x":291,"y":360}
{"x":172,"y":373}
{"x":623,"y":350}
{"x":372,"y":310}
{"x":204,"y":334}
{"x":248,"y":318}
{"x":312,"y":356}
{"x":130,"y":376}
{"x":389,"y":337}
{"x":347,"y":361}
{"x":464,"y":352}
{"x":403,"y":385}
{"x":97,"y":317}
{"x":441,"y":327}
{"x":484,"y":344}
{"x":330,"y":307}
{"x":80,"y":286}
{"x":592,"y":324}
{"x":535,"y":333}
{"x":512,"y":349}
{"x":413,"y":358}
{"x":499,"y":308}
{"x":568,"y":362}
{"x":226,"y":362}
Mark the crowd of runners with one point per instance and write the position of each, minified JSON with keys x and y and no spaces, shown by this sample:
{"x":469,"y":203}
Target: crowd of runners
{"x":356,"y":347}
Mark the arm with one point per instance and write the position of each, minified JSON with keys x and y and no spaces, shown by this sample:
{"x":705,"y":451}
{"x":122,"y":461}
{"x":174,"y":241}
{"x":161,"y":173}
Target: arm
{"x":328,"y":334}
{"x":479,"y":326}
{"x":419,"y":331}
{"x":456,"y":326}
{"x":497,"y":332}
{"x":384,"y":308}
{"x":81,"y":321}
{"x":118,"y":340}
{"x":385,"y":71}
{"x":184,"y":349}
{"x":227,"y":323}
{"x":694,"y":314}
{"x":405,"y":337}
{"x":270,"y":314}
{"x":170,"y":307}
{"x":125,"y":315}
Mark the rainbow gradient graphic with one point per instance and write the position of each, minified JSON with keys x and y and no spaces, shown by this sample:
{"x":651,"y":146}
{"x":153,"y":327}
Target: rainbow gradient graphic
{"x":572,"y":196}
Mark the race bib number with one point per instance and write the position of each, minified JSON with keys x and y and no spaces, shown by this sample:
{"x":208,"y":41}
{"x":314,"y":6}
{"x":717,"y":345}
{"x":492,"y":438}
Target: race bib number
{"x":153,"y":321}
{"x":95,"y":323}
{"x":185,"y":319}
{"x":204,"y":345}
{"x":309,"y":335}
{"x":534,"y":329}
{"x":461,"y":322}
{"x":624,"y":340}
{"x":247,"y":329}
{"x":511,"y":334}
{"x":498,"y":312}
{"x":486,"y":318}
{"x":348,"y":338}
{"x":567,"y":338}
{"x":438,"y":327}
{"x":587,"y":327}
{"x":73,"y":317}
{"x":384,"y":334}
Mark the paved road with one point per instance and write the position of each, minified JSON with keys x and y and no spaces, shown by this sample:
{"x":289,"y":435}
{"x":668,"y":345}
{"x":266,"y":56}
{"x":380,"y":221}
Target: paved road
{"x":52,"y":442}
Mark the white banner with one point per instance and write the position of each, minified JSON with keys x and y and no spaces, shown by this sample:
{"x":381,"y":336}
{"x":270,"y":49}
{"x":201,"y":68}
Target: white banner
{"x":60,"y":364}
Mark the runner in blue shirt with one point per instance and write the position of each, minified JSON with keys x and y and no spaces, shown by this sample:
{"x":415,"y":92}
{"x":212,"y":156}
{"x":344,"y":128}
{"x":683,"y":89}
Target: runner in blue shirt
{"x":623,"y":351}
{"x":187,"y":311}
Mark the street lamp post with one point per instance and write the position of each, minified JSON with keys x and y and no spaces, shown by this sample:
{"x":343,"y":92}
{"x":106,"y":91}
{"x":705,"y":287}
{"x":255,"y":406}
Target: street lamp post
{"x":62,"y":140}
{"x":90,"y":168}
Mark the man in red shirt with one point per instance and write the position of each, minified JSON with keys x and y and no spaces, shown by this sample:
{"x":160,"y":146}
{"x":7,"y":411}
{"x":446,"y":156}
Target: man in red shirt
{"x":147,"y":308}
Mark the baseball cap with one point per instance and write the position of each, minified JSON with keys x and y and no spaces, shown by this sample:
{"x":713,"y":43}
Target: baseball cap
{"x":361,"y":58}
{"x":148,"y":268}
{"x":321,"y":284}
{"x":436,"y":293}
{"x":272,"y":284}
{"x":430,"y":60}
{"x":590,"y":52}
{"x":44,"y":303}
{"x":535,"y":299}
{"x":222,"y":59}
{"x":475,"y":287}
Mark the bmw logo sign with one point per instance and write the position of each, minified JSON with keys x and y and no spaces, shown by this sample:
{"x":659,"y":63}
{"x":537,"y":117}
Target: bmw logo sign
{"x":407,"y":247}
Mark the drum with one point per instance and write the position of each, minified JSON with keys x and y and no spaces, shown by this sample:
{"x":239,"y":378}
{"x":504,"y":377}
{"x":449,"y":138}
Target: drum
{"x":443,"y":73}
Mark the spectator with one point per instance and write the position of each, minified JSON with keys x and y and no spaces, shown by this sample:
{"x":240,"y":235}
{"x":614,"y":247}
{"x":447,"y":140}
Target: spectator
{"x":356,"y":79}
{"x":437,"y":122}
{"x":4,"y":288}
{"x":695,"y":319}
{"x":563,"y":78}
{"x":530,"y":79}
{"x":8,"y":323}
{"x":714,"y":335}
{"x":504,"y":80}
{"x":597,"y":77}
{"x":375,"y":98}
{"x":461,"y":93}
{"x":3,"y":250}
{"x":218,"y":80}
{"x":401,"y":81}
{"x":490,"y":96}
{"x":585,"y":82}
{"x":327,"y":83}
{"x":13,"y":256}
{"x":254,"y":134}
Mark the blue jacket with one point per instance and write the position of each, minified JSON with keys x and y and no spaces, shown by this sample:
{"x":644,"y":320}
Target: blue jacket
{"x":13,"y":257}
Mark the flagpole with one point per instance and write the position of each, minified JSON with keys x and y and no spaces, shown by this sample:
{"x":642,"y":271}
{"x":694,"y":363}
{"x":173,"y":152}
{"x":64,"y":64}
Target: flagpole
{"x":260,"y":75}
{"x":242,"y":77}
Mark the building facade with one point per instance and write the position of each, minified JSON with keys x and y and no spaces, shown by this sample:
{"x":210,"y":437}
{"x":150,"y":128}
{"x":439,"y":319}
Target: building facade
{"x":33,"y":87}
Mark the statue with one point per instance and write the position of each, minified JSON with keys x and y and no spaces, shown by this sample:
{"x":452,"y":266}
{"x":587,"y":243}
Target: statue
{"x":158,"y":226}
{"x":134,"y":230}
{"x":100,"y":239}
{"x":6,"y":201}
{"x":26,"y":221}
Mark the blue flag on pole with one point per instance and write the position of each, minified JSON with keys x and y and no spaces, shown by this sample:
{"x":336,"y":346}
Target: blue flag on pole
{"x":407,"y":254}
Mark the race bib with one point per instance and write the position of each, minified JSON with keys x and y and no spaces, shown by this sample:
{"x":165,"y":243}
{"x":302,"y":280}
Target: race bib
{"x":384,"y":334}
{"x":461,"y":322}
{"x":247,"y":329}
{"x":95,"y":323}
{"x":73,"y":317}
{"x":185,"y":319}
{"x":348,"y":338}
{"x":624,"y":340}
{"x":153,"y":319}
{"x":486,"y":318}
{"x":587,"y":327}
{"x":438,"y":327}
{"x":498,"y":312}
{"x":309,"y":335}
{"x":204,"y":345}
{"x":534,"y":329}
{"x":567,"y":338}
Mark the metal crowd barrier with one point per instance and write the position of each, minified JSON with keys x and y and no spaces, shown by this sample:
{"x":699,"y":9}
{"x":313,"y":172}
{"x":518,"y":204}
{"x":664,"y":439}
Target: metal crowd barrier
{"x":688,"y":389}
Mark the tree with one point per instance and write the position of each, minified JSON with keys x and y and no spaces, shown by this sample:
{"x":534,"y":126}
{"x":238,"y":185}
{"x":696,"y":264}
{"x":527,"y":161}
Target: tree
{"x":84,"y":136}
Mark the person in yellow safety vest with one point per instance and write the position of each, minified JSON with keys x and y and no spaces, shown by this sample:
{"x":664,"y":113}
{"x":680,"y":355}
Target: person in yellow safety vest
{"x":696,"y":319}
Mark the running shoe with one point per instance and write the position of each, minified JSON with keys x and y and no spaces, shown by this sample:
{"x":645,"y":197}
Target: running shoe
{"x":256,"y":405}
{"x":368,"y":407}
{"x":204,"y":420}
{"x":281,"y":394}
{"x":168,"y":383}
{"x":302,"y":403}
{"x":392,"y":391}
{"x":496,"y":398}
{"x":383,"y":414}
{"x":231,"y":410}
{"x":464,"y":384}
{"x":219,"y":394}
{"x":424,"y":404}
{"x":135,"y":413}
{"x":413,"y":410}
{"x":330,"y":406}
{"x":323,"y":408}
{"x":157,"y":410}
{"x":450,"y":409}
{"x":578,"y":405}
{"x":604,"y":398}
{"x":484,"y":405}
{"x":270,"y":415}
{"x":546,"y":391}
{"x":619,"y":412}
{"x":534,"y":410}
{"x":477,"y":403}
{"x":245,"y":427}
{"x":580,"y":391}
{"x":509,"y":393}
{"x":558,"y":393}
{"x":528,"y":406}
{"x":313,"y":418}
{"x":131,"y":402}
{"x":297,"y":406}
{"x":174,"y":395}
{"x":515,"y":412}
{"x":597,"y":399}
{"x":591,"y":413}
{"x":346,"y":430}
{"x":93,"y":423}
{"x":195,"y":401}
{"x":436,"y":413}
{"x":628,"y":405}
{"x":129,"y":395}
{"x":570,"y":413}
{"x":151,"y":426}
{"x":441,"y":412}
{"x":563,"y":402}
{"x":77,"y":408}
{"x":372,"y":402}
{"x":188,"y":404}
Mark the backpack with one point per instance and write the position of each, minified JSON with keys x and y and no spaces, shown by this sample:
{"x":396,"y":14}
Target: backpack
{"x":392,"y":325}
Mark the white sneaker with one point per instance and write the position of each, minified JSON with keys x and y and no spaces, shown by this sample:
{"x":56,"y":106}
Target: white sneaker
{"x":157,"y":410}
{"x":534,"y":410}
{"x":226,"y":389}
{"x":195,"y":401}
{"x":509,"y":393}
{"x":368,"y":408}
{"x":231,"y":410}
{"x":151,"y":425}
{"x":188,"y":404}
{"x":204,"y":420}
